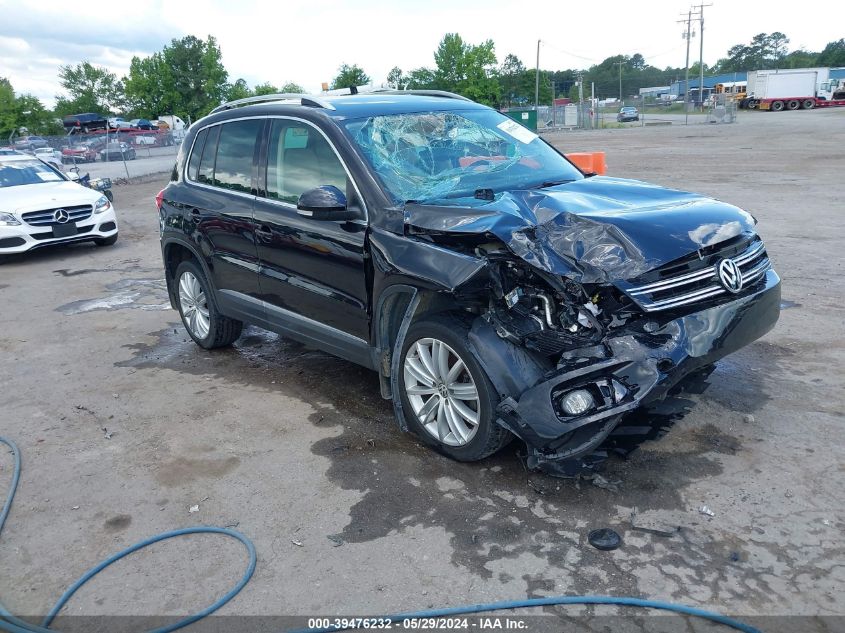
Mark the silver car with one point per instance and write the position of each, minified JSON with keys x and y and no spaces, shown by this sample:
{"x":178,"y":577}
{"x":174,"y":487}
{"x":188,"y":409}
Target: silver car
{"x":628,"y":113}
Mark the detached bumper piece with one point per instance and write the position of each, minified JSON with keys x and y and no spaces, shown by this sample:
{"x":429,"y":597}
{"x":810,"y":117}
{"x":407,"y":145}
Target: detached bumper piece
{"x":570,"y":413}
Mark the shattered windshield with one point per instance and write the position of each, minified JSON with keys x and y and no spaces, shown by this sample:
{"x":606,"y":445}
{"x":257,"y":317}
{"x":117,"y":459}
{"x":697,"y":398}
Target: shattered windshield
{"x":436,"y":156}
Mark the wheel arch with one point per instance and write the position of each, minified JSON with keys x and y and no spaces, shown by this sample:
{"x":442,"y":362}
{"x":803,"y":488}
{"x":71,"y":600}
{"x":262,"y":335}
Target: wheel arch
{"x":175,"y":252}
{"x":397,"y":307}
{"x":510,"y":368}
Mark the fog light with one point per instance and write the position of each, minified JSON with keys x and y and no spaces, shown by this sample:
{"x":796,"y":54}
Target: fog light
{"x":577,"y":402}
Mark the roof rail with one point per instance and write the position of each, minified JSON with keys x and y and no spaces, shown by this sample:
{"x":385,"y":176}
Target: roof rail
{"x":421,"y":93}
{"x":306,"y":100}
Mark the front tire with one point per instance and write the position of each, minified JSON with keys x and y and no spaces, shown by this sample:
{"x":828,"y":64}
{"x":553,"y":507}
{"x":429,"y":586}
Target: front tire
{"x":446,"y":396}
{"x":199,"y":313}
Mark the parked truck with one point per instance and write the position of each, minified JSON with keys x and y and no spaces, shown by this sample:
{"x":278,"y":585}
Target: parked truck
{"x":175,"y":124}
{"x":793,"y":89}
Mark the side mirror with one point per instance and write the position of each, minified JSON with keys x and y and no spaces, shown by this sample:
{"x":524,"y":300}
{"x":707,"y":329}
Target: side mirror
{"x":324,"y":203}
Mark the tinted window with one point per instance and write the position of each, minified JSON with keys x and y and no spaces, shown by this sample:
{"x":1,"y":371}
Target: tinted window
{"x":206,"y":170}
{"x":235,"y":152}
{"x":196,"y":154}
{"x":299,"y":159}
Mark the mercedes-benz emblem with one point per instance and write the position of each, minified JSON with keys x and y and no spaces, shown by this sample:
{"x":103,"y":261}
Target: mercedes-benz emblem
{"x":730,"y":275}
{"x":61,"y":216}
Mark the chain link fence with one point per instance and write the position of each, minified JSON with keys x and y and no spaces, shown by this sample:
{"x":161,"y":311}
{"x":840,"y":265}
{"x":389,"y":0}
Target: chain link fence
{"x":116,"y":154}
{"x":593,"y":115}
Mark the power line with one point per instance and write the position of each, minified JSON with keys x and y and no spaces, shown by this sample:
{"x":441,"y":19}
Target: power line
{"x":560,"y":50}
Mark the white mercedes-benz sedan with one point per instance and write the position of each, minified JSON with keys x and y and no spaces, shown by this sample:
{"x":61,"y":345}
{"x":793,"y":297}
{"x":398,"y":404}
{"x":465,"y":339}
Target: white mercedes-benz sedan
{"x":40,"y":206}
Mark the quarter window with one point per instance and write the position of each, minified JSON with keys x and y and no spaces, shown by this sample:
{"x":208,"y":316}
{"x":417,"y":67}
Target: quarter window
{"x":206,"y":168}
{"x":194,"y":163}
{"x":299,"y":159}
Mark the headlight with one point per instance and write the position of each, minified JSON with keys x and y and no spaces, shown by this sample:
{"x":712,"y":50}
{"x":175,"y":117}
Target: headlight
{"x":102,"y":205}
{"x":7,"y":219}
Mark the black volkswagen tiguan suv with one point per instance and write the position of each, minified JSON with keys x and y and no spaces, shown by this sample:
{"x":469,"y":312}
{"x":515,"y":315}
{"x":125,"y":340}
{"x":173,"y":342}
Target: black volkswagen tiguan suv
{"x":497,"y":290}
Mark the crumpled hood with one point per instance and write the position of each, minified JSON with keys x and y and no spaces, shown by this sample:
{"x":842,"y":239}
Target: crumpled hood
{"x":594,"y":230}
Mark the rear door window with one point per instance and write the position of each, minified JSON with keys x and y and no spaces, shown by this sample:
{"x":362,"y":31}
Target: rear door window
{"x":235,"y":155}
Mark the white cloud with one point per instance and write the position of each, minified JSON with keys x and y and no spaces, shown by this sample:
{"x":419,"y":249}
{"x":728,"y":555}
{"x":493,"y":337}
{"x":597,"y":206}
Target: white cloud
{"x":306,"y":40}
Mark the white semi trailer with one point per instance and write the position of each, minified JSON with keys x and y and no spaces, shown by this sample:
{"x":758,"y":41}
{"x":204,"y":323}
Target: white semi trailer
{"x":793,"y":89}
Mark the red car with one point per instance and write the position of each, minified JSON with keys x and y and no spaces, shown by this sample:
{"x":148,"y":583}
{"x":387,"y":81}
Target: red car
{"x":79,"y":154}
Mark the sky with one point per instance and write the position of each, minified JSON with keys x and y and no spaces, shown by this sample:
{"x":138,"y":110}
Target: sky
{"x":306,"y":40}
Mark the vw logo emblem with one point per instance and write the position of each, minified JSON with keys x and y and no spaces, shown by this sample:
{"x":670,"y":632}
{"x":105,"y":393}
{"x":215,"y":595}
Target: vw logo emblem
{"x":61,"y":216}
{"x":730,"y":275}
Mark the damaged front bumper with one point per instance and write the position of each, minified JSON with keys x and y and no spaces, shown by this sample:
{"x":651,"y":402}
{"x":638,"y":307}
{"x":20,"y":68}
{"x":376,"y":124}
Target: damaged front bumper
{"x":630,"y":370}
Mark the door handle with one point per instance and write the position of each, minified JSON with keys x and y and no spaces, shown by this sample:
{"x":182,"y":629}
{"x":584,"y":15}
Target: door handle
{"x":264,"y":231}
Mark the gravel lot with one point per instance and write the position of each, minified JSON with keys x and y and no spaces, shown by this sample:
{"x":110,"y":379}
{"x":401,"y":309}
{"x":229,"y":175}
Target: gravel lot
{"x":349,"y":515}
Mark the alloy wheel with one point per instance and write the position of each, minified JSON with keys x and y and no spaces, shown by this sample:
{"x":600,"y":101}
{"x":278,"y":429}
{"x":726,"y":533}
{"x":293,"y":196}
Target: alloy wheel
{"x":441,"y":392}
{"x":194,"y":305}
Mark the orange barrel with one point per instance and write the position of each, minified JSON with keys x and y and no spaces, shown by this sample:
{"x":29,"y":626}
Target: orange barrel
{"x":582,"y":160}
{"x":599,"y":165}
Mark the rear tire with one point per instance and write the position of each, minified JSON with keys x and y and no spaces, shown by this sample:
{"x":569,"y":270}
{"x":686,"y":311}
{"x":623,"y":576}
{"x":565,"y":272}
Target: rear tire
{"x":777,"y":106}
{"x":452,"y":403}
{"x":199,"y":313}
{"x":793,"y":104}
{"x":808,"y":104}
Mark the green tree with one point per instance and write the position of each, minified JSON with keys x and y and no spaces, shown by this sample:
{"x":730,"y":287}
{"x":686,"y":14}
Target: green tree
{"x":90,"y":89}
{"x":292,"y":87}
{"x":420,"y":79}
{"x":833,"y":54}
{"x":35,"y":117}
{"x":24,"y":111}
{"x":777,"y":46}
{"x":800,"y":59}
{"x":517,"y":83}
{"x":766,"y":50}
{"x":510,"y":79}
{"x":636,"y":62}
{"x":146,"y":87}
{"x":8,"y":113}
{"x":396,"y":78}
{"x":265,"y":89}
{"x":238,"y":90}
{"x":467,"y":69}
{"x":187,"y":78}
{"x":348,"y":76}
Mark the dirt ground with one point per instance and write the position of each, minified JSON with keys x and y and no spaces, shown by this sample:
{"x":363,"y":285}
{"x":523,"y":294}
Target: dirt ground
{"x":124,"y":425}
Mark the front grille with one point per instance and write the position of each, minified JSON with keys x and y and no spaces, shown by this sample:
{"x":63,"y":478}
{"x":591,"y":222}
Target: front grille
{"x":47,"y":218}
{"x":702,"y":283}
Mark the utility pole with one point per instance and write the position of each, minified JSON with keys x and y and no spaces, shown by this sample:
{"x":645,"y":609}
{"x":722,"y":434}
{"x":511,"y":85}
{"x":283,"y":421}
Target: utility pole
{"x":687,"y":36}
{"x":701,"y":50}
{"x":537,"y":79}
{"x":621,"y":101}
{"x":581,"y":122}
